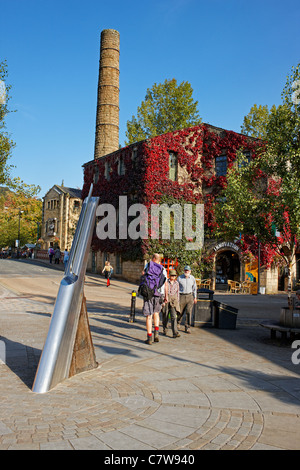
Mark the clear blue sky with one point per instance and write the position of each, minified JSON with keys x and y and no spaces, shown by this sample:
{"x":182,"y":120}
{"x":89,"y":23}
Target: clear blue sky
{"x":234,"y":53}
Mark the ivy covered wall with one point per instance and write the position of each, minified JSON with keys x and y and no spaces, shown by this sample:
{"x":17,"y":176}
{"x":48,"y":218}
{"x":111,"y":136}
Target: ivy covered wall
{"x":144,"y":178}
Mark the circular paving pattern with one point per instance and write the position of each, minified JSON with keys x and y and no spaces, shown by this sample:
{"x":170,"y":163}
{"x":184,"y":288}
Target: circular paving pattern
{"x":105,"y":403}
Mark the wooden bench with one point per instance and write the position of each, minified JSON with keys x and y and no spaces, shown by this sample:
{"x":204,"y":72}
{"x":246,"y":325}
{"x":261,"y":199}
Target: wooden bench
{"x":283,"y":330}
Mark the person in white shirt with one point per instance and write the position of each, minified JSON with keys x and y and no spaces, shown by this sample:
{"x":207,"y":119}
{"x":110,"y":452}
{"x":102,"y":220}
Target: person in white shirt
{"x":188,"y":297}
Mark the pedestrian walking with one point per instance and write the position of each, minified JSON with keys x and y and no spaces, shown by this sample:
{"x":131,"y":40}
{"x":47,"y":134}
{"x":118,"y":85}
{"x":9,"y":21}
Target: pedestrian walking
{"x":66,"y":257}
{"x":107,"y":271}
{"x":172,"y":308}
{"x":51,"y":254}
{"x":57,"y":255}
{"x":155,"y":275}
{"x":188,"y":297}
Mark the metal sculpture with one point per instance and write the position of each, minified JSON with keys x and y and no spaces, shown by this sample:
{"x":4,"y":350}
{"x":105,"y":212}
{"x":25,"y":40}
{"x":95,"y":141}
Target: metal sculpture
{"x":58,"y":360}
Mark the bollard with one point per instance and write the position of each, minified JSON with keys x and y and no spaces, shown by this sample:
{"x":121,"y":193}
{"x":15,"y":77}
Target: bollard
{"x":132,"y":309}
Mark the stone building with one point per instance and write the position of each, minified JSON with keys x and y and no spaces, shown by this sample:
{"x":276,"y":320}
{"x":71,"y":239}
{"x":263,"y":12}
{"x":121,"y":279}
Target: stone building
{"x":61,"y":210}
{"x":189,"y":164}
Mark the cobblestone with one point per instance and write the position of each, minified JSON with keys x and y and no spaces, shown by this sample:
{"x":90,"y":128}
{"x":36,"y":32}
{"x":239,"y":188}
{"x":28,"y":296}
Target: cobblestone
{"x":213,"y":389}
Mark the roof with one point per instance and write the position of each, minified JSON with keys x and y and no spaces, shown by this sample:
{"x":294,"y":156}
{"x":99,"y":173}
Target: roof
{"x":191,"y":128}
{"x":73,"y":192}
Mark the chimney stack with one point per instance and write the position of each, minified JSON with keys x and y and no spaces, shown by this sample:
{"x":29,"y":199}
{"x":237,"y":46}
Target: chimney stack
{"x":107,"y":119}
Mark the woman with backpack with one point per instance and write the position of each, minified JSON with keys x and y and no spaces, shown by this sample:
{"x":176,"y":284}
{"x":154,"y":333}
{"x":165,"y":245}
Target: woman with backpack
{"x":154,"y":276}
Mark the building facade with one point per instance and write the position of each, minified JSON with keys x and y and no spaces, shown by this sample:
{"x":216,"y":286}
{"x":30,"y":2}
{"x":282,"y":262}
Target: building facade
{"x":61,"y":210}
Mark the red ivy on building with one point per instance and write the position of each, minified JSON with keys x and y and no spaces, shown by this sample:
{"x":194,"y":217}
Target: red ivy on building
{"x":146,"y":179}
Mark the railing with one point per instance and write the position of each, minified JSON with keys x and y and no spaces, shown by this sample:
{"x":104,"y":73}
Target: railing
{"x":43,"y":254}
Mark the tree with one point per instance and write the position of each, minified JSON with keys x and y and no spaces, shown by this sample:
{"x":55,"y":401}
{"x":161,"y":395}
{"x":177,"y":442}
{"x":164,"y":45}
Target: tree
{"x":255,"y":123}
{"x":6,"y":144}
{"x":21,"y":205}
{"x":262,"y":198}
{"x":167,"y":107}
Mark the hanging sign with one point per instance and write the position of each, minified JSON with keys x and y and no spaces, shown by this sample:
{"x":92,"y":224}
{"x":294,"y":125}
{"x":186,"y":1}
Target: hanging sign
{"x":229,"y":245}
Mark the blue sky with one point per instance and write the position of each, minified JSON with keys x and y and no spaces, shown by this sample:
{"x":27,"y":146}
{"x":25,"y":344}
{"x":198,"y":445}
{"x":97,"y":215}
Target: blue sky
{"x":234,"y":53}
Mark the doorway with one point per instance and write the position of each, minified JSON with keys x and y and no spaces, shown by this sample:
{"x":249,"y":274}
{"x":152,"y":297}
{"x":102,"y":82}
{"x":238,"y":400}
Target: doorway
{"x":228,"y":267}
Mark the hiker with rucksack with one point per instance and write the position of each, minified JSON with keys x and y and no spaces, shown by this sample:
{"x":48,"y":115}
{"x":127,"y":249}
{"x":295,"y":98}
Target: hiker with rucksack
{"x":152,"y":290}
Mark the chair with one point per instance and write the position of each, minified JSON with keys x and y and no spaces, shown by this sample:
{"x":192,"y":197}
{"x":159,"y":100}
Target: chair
{"x":206,"y":284}
{"x":198,"y":283}
{"x":246,"y":287}
{"x":234,"y":286}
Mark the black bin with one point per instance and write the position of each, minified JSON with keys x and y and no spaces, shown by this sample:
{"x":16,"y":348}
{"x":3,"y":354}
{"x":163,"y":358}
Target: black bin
{"x":203,"y":311}
{"x":224,"y":316}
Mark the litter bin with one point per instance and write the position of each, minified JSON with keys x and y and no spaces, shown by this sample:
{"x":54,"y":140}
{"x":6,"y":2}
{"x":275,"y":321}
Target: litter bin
{"x":224,"y":316}
{"x":203,"y":310}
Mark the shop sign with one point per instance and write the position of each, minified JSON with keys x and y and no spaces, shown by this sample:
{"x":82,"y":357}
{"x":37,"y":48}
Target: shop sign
{"x":228,"y":245}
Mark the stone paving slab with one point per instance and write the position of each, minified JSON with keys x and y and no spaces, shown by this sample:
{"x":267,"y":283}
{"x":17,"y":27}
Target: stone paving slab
{"x":211,"y":390}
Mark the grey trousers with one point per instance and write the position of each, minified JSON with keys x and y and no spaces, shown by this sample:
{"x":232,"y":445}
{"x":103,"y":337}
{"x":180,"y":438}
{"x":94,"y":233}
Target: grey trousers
{"x":166,"y":310}
{"x":187,"y":303}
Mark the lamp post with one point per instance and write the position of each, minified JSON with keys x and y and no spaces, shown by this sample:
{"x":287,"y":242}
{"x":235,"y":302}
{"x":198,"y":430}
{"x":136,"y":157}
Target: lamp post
{"x":258,"y":270}
{"x":18,"y":245}
{"x":37,"y":232}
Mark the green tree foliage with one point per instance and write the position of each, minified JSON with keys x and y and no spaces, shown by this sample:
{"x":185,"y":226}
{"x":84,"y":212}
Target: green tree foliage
{"x":167,"y":107}
{"x":6,"y":144}
{"x":263,"y":198}
{"x":255,"y":123}
{"x":19,"y":204}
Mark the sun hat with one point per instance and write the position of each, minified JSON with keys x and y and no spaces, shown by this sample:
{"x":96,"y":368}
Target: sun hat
{"x":172,"y":272}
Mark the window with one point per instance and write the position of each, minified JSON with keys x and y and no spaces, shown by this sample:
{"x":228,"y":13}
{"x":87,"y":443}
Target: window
{"x":169,"y":264}
{"x":96,"y":175}
{"x":105,"y":257}
{"x":121,"y":166}
{"x":221,"y":165}
{"x":173,"y":164}
{"x":134,"y":158}
{"x":107,"y":170}
{"x":76,"y":205}
{"x":118,"y":264}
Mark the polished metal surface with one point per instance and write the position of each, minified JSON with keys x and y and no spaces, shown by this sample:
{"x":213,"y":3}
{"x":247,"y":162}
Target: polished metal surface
{"x":55,"y":361}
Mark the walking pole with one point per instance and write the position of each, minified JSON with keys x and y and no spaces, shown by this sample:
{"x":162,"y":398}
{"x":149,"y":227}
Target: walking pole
{"x":132,"y":309}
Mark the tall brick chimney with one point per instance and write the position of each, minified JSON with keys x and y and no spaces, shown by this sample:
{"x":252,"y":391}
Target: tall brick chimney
{"x":107,"y":119}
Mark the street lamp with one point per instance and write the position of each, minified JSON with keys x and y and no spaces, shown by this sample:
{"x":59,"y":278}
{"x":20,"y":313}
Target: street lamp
{"x":258,"y":271}
{"x":37,"y":232}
